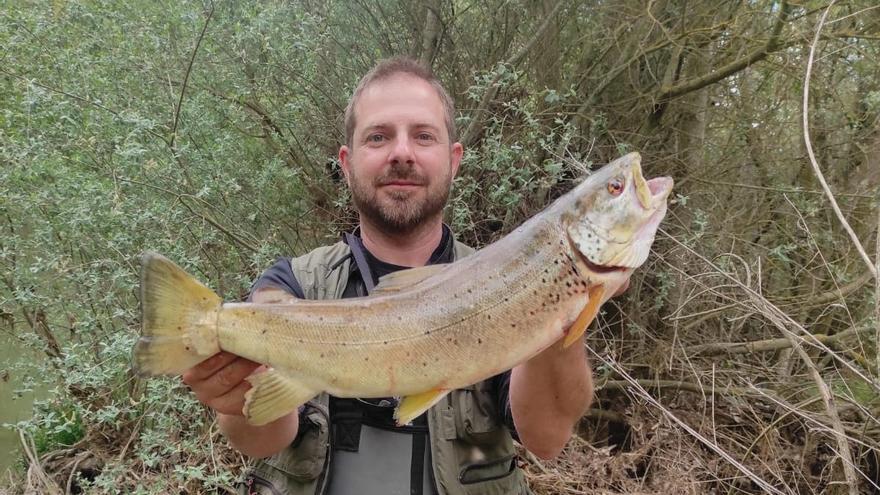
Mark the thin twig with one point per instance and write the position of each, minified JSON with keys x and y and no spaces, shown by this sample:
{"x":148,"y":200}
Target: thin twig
{"x":779,"y":318}
{"x":812,"y":156}
{"x":192,"y":59}
{"x":877,"y":292}
{"x":765,"y":344}
{"x":767,"y":487}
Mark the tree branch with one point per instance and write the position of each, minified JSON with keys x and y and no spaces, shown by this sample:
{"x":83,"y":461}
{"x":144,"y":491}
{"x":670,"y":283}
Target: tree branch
{"x":815,"y":164}
{"x":186,"y":78}
{"x":478,"y":117}
{"x":766,"y":344}
{"x":769,"y":47}
{"x":431,"y":33}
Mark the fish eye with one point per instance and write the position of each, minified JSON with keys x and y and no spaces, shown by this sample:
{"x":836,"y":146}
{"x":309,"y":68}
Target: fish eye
{"x":615,"y":186}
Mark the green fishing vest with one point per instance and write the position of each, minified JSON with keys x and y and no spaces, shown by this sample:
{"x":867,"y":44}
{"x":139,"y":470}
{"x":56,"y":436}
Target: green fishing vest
{"x":471,"y":450}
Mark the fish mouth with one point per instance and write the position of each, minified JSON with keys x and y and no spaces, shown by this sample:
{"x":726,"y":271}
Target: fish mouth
{"x":600,"y":269}
{"x":593,"y":267}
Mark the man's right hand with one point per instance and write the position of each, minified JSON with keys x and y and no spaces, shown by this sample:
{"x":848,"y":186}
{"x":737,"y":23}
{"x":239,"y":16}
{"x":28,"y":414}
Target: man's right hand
{"x":219,"y":382}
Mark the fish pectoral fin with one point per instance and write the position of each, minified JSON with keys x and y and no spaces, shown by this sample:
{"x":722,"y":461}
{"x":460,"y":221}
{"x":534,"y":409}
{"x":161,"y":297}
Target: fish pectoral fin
{"x":586,"y":317}
{"x":402,"y":279}
{"x":412,"y":406}
{"x":273,"y":395}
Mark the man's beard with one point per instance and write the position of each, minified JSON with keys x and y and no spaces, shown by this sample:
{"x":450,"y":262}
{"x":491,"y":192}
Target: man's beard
{"x":398,"y":212}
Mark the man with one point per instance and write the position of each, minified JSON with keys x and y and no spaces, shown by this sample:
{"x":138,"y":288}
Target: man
{"x":399,"y":161}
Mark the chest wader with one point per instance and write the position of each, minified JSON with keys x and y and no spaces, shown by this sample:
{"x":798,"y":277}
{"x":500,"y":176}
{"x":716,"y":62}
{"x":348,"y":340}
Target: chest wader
{"x":468,"y":450}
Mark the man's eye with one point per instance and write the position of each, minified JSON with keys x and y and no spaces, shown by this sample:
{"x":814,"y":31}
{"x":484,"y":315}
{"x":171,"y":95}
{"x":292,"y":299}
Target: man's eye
{"x":425,"y":137}
{"x":375,"y":138}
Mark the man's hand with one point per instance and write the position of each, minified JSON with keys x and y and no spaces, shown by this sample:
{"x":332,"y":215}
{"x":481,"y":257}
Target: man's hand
{"x":550,"y":392}
{"x":219,"y":382}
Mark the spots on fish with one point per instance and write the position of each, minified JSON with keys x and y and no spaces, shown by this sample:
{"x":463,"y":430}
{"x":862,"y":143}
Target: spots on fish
{"x":264,"y":331}
{"x":366,"y":358}
{"x":322,"y":355}
{"x":513,"y":325}
{"x":479,"y":340}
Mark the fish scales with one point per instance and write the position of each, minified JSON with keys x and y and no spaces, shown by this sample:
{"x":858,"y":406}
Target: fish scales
{"x":423,"y":331}
{"x":472,"y":329}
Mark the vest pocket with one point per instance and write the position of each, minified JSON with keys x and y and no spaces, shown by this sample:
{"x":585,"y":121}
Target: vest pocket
{"x":300,"y":464}
{"x":477,"y":419}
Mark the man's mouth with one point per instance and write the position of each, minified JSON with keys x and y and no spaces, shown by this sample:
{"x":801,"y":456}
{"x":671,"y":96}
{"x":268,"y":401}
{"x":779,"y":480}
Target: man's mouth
{"x":400,"y":183}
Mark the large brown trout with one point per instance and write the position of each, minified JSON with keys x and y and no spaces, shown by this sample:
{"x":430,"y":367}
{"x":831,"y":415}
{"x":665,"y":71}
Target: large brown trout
{"x":423,"y":331}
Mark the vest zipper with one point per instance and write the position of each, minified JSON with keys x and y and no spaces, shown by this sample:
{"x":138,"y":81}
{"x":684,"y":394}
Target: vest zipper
{"x":255,"y":479}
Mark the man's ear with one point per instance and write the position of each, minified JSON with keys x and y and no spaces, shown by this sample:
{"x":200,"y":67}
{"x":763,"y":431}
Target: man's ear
{"x":344,"y":154}
{"x":455,"y":158}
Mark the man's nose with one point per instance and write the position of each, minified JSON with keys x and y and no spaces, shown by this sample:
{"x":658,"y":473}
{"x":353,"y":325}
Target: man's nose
{"x":402,"y":151}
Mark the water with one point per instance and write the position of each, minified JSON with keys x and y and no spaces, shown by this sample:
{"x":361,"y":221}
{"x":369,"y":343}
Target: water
{"x":12,"y":407}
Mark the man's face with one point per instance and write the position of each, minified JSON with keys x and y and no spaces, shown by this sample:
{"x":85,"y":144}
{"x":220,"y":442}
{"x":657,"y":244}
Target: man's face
{"x":401,"y":164}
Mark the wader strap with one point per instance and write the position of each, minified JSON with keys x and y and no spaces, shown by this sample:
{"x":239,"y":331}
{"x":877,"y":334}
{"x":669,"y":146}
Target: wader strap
{"x":357,"y":250}
{"x":417,"y":466}
{"x":346,"y":424}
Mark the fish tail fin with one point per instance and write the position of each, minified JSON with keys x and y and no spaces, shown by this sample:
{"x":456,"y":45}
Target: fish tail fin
{"x":179,"y":318}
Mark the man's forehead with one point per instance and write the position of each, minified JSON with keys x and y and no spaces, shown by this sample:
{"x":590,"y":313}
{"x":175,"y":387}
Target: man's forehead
{"x":399,"y":97}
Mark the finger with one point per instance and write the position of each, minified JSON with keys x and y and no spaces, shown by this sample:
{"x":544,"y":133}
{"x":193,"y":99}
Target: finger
{"x":208,"y":367}
{"x":232,"y":402}
{"x":224,"y":380}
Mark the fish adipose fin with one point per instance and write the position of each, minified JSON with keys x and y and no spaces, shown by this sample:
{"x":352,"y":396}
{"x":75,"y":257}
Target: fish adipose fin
{"x":412,"y":406}
{"x":272,"y":395}
{"x":179,"y":318}
{"x":588,"y":314}
{"x":402,"y":279}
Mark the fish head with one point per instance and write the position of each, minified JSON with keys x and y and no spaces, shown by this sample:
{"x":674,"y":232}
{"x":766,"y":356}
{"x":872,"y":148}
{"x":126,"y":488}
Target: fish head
{"x":615,"y":214}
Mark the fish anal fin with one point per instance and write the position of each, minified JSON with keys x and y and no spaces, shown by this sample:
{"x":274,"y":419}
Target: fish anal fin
{"x":402,"y":279}
{"x":272,"y":395}
{"x":412,"y":406}
{"x":591,"y":309}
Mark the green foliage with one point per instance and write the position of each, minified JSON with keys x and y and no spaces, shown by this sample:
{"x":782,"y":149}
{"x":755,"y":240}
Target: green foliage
{"x":126,"y":129}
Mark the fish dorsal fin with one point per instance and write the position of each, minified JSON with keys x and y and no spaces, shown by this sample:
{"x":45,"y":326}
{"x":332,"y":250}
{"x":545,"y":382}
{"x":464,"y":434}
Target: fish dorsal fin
{"x":402,"y":279}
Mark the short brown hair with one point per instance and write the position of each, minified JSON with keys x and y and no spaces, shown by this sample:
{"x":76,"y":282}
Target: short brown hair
{"x":391,"y":67}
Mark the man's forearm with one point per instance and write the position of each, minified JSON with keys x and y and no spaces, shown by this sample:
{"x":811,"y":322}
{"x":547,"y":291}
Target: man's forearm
{"x":259,"y":441}
{"x":548,"y":395}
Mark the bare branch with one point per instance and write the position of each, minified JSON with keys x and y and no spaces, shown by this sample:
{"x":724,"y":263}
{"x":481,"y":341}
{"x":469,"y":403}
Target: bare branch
{"x":479,"y":113}
{"x":812,"y":156}
{"x":766,"y":344}
{"x":186,"y":77}
{"x":769,"y":47}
